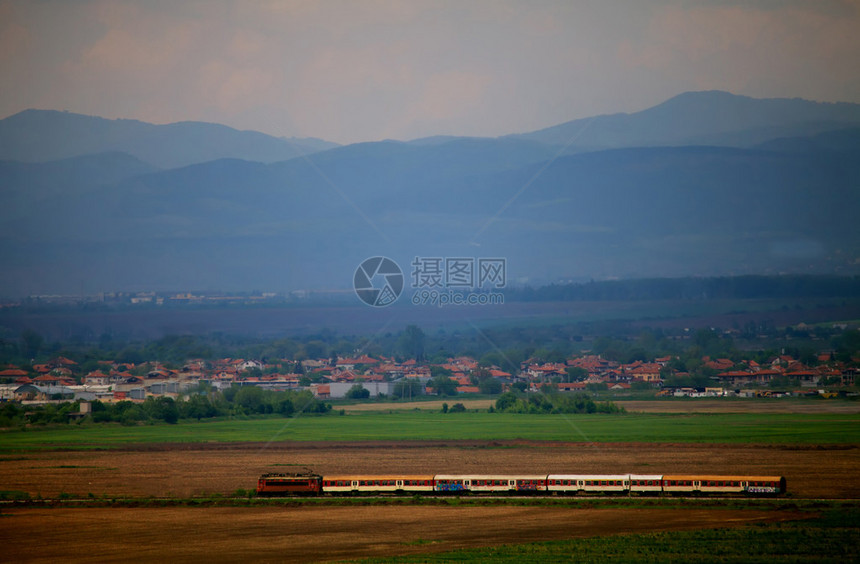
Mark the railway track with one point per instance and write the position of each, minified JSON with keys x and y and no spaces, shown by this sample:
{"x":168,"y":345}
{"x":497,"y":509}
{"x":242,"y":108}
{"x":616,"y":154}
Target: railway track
{"x":417,"y":499}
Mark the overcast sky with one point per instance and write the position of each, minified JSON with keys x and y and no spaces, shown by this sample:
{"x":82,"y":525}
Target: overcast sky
{"x":367,"y":70}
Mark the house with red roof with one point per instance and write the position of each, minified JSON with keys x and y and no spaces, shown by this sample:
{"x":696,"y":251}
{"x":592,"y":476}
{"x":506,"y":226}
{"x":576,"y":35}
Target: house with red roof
{"x":571,"y":386}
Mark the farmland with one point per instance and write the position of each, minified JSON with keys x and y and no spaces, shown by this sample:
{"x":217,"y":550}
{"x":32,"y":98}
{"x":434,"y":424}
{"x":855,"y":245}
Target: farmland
{"x":745,"y":428}
{"x":816,"y":445}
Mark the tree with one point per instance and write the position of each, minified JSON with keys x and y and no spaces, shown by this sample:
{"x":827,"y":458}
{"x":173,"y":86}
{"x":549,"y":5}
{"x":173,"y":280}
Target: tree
{"x":411,"y":342}
{"x":506,"y":401}
{"x":490,"y":385}
{"x":358,"y":392}
{"x":31,"y":343}
{"x":250,"y":399}
{"x":443,"y":386}
{"x":575,"y":374}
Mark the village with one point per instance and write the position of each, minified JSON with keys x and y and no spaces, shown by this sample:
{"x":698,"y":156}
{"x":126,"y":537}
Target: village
{"x":61,"y":379}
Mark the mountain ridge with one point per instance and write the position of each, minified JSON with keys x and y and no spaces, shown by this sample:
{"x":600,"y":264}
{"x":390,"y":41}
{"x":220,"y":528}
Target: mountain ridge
{"x":110,"y":221}
{"x":707,"y":117}
{"x":46,"y":135}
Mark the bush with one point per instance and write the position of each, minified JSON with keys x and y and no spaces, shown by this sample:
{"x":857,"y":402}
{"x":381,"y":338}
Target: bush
{"x":358,"y":392}
{"x":457,"y":408}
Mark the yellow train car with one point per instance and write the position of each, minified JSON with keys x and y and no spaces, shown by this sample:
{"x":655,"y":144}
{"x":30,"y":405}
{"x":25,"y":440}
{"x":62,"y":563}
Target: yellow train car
{"x":708,"y":484}
{"x":366,"y":483}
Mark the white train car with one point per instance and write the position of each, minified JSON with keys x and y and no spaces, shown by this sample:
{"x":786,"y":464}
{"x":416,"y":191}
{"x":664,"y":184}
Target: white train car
{"x":527,"y":484}
{"x":646,"y":483}
{"x":588,"y":483}
{"x":449,"y":483}
{"x":490,"y":483}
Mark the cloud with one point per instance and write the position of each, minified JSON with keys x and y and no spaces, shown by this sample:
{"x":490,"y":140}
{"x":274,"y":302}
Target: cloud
{"x":800,"y":49}
{"x":352,"y":71}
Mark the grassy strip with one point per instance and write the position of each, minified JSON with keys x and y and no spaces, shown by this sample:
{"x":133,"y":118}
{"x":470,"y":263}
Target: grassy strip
{"x":23,"y":499}
{"x":832,"y":537}
{"x":751,"y":428}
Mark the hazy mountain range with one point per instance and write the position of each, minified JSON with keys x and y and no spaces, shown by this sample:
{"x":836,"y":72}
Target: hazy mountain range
{"x":706,"y":183}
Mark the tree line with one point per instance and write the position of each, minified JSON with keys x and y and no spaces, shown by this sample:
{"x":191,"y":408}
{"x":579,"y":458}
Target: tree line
{"x":205,"y":403}
{"x":550,"y":401}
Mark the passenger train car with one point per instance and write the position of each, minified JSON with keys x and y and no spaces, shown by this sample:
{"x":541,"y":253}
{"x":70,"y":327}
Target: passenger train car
{"x":308,"y":483}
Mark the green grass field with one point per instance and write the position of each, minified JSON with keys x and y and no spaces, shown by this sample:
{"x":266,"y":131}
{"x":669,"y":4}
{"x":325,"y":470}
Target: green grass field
{"x":421,"y":425}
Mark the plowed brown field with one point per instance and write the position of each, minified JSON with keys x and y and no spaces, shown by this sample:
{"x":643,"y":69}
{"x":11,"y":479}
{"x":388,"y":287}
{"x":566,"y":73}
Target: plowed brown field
{"x":313,"y":534}
{"x":196,"y":469}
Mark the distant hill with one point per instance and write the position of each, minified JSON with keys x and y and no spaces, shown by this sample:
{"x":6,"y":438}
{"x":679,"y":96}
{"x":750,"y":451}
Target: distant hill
{"x":702,"y":118}
{"x":840,"y":140}
{"x":113,"y":221}
{"x":27,"y":186}
{"x":44,"y":135}
{"x":641,"y":212}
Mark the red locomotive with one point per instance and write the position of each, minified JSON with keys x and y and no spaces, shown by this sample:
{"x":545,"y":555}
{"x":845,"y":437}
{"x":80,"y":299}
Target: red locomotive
{"x":304,"y":483}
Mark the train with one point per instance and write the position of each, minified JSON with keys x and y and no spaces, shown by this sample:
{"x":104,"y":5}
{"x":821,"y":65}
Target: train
{"x":309,"y":483}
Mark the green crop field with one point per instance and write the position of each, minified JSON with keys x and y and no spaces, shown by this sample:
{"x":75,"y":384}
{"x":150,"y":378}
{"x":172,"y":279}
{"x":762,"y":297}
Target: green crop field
{"x":714,"y":428}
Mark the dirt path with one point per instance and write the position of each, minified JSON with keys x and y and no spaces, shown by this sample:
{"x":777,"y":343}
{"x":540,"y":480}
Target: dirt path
{"x":312,"y":534}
